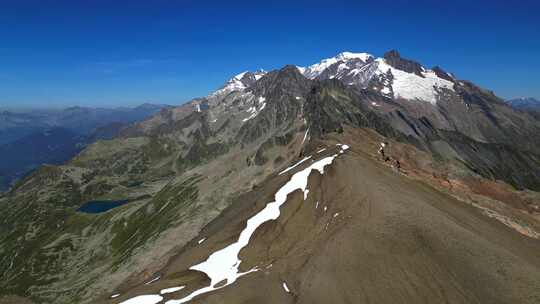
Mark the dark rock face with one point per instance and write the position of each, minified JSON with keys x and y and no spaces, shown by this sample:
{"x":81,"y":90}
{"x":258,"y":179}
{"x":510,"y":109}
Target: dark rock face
{"x":494,"y":140}
{"x":505,"y":162}
{"x":280,"y":89}
{"x":442,"y":73}
{"x":394,"y":59}
{"x":248,"y":79}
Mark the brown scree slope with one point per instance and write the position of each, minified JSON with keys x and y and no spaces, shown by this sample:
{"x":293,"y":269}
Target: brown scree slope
{"x":384,"y":238}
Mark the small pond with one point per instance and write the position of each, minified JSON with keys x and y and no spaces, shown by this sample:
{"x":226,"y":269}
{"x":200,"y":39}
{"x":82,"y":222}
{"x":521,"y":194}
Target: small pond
{"x":100,"y":206}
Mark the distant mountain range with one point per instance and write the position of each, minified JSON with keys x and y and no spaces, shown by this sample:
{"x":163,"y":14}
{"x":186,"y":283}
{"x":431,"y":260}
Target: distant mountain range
{"x":50,"y":146}
{"x":15,"y":124}
{"x":34,"y":137}
{"x":525,"y":103}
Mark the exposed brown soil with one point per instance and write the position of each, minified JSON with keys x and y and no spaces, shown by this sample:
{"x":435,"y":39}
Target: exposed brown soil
{"x":14,"y":300}
{"x":384,"y":238}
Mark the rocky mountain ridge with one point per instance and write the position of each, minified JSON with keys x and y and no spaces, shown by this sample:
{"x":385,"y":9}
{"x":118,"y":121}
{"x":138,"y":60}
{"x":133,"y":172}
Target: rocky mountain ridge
{"x":193,"y":175}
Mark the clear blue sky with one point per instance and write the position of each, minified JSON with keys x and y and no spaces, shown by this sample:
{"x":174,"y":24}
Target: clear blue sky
{"x":56,"y":53}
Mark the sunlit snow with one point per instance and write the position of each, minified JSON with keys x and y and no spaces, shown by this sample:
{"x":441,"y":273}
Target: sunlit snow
{"x":253,"y":110}
{"x":402,"y":84}
{"x":305,"y":136}
{"x":295,"y":165}
{"x":411,"y":86}
{"x":152,"y":281}
{"x":250,"y":117}
{"x":316,"y":69}
{"x":286,"y":287}
{"x":171,"y":290}
{"x":144,"y":299}
{"x":236,"y":84}
{"x":222,"y":266}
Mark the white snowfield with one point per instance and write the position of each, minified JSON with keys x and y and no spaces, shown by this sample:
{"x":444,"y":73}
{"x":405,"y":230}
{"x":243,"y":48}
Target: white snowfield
{"x":295,"y":165}
{"x":236,"y":84}
{"x":411,"y":86}
{"x":171,"y":290}
{"x":144,"y":299}
{"x":316,"y":69}
{"x":222,"y":266}
{"x":403,"y":85}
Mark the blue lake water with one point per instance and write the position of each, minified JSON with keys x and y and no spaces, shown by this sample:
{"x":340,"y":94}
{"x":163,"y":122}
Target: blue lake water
{"x":100,"y":206}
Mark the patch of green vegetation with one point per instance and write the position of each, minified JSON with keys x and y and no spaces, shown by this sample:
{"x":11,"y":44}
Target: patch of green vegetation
{"x":157,"y":148}
{"x":132,"y":183}
{"x":200,"y":153}
{"x":153,"y":218}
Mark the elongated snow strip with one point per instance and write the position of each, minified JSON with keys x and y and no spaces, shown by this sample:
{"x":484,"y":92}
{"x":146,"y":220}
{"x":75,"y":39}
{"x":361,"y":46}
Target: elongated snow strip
{"x":144,"y":299}
{"x":305,"y":136}
{"x":295,"y":165}
{"x":286,"y":287}
{"x":222,"y":265}
{"x":172,"y":289}
{"x":153,"y":280}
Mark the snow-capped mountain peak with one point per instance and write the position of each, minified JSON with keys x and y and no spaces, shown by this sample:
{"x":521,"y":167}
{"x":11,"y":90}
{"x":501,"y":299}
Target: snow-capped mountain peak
{"x":240,"y":82}
{"x":390,"y":75}
{"x":348,"y":55}
{"x":316,"y":69}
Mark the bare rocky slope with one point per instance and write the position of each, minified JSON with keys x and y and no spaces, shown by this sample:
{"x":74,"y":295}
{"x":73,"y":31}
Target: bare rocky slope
{"x":459,"y":224}
{"x":363,"y":234}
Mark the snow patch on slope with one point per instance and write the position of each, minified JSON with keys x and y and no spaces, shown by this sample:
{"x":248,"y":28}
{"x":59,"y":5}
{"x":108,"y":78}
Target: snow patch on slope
{"x":171,"y":290}
{"x":411,"y":86}
{"x":286,"y":288}
{"x":222,"y":266}
{"x":253,"y":111}
{"x":295,"y":165}
{"x":144,"y":299}
{"x":153,"y":280}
